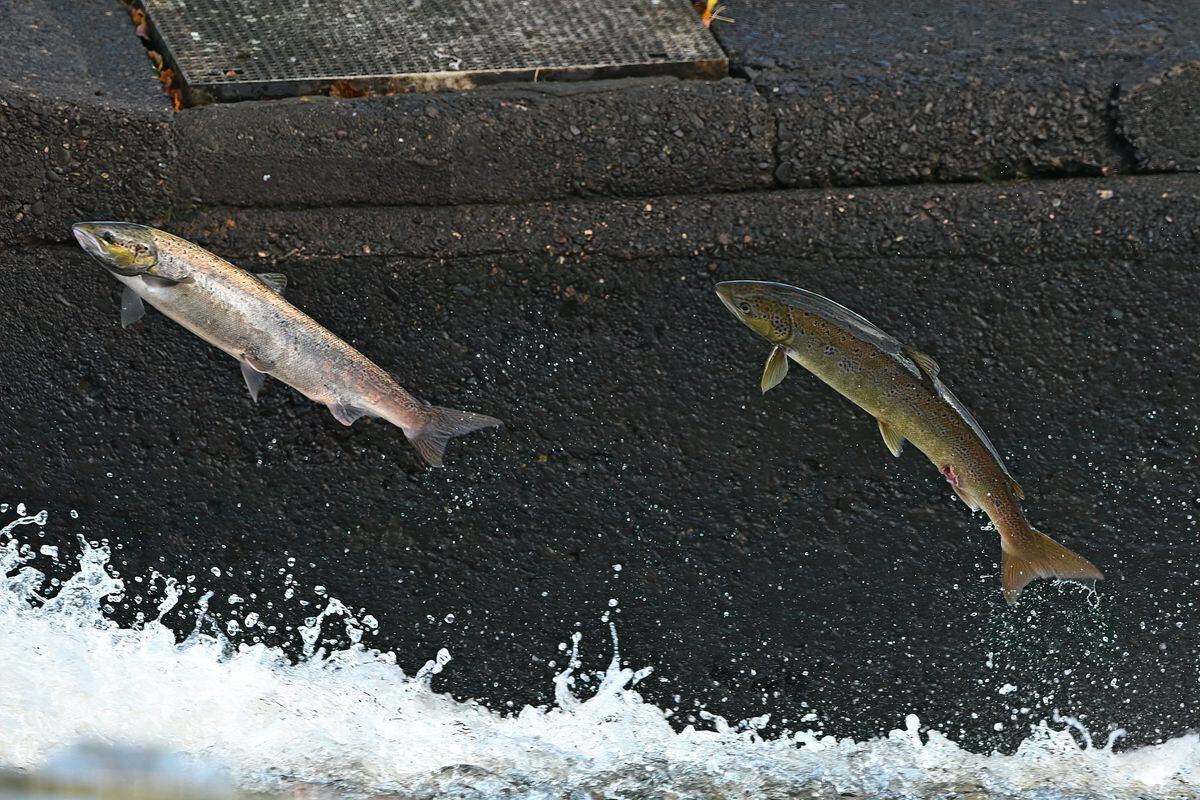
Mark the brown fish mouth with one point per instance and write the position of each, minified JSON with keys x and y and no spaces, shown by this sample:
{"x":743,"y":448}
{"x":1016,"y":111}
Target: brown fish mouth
{"x":725,"y":292}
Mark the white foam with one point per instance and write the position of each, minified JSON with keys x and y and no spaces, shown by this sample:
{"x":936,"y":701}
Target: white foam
{"x":353,"y":719}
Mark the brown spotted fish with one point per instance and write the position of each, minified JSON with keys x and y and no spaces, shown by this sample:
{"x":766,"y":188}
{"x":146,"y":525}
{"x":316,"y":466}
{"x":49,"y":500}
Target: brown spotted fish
{"x":902,"y":389}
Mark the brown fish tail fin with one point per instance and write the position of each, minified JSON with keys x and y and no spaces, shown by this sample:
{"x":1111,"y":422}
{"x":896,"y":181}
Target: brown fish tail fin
{"x":1033,"y":554}
{"x":443,"y":424}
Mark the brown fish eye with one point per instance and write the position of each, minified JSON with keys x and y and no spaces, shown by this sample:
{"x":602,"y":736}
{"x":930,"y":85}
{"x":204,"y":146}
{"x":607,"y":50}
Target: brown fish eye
{"x":745,"y":307}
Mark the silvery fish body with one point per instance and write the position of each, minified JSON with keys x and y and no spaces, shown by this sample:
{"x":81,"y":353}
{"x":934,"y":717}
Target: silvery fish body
{"x":247,"y":316}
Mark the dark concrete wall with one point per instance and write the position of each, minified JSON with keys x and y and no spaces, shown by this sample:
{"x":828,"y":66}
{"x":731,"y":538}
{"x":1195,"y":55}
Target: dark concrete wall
{"x":774,"y":556}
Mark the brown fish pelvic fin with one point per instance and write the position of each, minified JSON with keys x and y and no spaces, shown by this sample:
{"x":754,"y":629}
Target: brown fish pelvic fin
{"x":1031,"y":554}
{"x":445,"y":423}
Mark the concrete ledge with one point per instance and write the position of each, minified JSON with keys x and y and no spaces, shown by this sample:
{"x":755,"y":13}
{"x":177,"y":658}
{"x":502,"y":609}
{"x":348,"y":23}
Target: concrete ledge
{"x":950,"y":127}
{"x":1118,"y":217}
{"x":630,"y":137}
{"x":1161,"y":119}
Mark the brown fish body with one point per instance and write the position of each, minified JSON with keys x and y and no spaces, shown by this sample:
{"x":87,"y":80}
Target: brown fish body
{"x":902,"y":389}
{"x":247,"y":316}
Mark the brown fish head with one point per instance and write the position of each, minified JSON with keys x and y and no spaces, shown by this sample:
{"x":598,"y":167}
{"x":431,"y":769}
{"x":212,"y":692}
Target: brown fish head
{"x":757,"y":305}
{"x":125,"y":248}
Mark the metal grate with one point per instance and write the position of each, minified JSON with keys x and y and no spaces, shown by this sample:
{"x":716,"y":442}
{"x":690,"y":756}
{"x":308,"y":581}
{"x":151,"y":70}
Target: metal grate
{"x":254,"y":49}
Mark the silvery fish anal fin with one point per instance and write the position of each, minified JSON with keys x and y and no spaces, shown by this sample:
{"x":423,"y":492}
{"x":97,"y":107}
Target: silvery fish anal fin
{"x":347,"y":415}
{"x":893,"y":440}
{"x":132,"y":307}
{"x":254,"y":379}
{"x":775,"y":370}
{"x":276,"y":281}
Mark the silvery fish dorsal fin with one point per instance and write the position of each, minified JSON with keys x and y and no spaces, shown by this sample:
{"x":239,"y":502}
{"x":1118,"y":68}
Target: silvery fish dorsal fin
{"x":775,"y":370}
{"x":957,"y":405}
{"x":254,"y":379}
{"x":132,"y":307}
{"x":276,"y":281}
{"x":926,"y":363}
{"x":892,"y":438}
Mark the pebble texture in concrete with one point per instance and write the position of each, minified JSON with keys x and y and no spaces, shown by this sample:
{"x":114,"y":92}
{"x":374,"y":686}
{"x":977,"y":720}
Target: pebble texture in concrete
{"x":865,"y":93}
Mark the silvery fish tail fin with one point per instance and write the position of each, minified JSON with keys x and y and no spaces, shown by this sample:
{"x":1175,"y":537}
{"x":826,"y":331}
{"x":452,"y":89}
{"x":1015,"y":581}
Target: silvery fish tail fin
{"x":443,"y":424}
{"x":1033,"y":554}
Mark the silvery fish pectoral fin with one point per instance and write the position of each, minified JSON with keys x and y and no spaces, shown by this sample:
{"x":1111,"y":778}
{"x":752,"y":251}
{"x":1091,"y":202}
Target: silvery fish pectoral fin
{"x":132,"y":307}
{"x":444,"y":423}
{"x":775,"y":370}
{"x":893,"y":440}
{"x":254,"y":380}
{"x":1032,"y":554}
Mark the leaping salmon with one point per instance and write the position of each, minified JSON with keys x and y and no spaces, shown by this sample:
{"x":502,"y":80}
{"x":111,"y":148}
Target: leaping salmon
{"x":246,"y":316}
{"x":901,"y":388}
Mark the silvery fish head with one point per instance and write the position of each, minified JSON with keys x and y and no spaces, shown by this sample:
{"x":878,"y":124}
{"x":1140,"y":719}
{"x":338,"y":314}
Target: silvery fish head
{"x":757,"y":305}
{"x":125,"y":248}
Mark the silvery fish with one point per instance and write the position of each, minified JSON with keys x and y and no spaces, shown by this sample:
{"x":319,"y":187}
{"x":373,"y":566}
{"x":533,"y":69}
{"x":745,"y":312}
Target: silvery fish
{"x":901,"y":388}
{"x":246,"y":316}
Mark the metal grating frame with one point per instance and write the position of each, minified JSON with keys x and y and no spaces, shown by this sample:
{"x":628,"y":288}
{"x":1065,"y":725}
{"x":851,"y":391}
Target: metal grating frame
{"x":255,"y":49}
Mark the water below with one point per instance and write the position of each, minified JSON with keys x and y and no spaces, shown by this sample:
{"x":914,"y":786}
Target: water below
{"x":92,"y":709}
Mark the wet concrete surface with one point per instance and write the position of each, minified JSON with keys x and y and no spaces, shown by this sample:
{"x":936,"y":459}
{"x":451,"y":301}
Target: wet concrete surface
{"x":827,"y":94}
{"x":773,"y":556}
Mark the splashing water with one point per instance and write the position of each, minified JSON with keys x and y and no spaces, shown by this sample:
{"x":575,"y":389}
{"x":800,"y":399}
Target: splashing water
{"x":353,"y":722}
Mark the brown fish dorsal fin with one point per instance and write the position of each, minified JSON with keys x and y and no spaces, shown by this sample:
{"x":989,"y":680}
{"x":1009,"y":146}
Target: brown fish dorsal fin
{"x":1016,"y":487}
{"x":275,"y":281}
{"x":926,"y":363}
{"x":893,"y":440}
{"x":775,"y":370}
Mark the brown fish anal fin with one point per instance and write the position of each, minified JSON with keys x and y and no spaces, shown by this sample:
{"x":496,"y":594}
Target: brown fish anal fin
{"x":971,"y":504}
{"x":254,"y":379}
{"x":1033,"y":555}
{"x":347,"y":415}
{"x":926,"y":363}
{"x":275,"y":281}
{"x":893,"y":440}
{"x":132,"y":307}
{"x":775,"y":370}
{"x":444,"y":423}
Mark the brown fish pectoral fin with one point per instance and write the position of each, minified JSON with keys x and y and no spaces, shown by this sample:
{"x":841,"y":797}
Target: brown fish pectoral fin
{"x":1035,"y":555}
{"x":132,"y":307}
{"x":345,"y":414}
{"x":775,"y":370}
{"x":925,"y":362}
{"x":254,"y":379}
{"x":275,"y":281}
{"x":893,"y":440}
